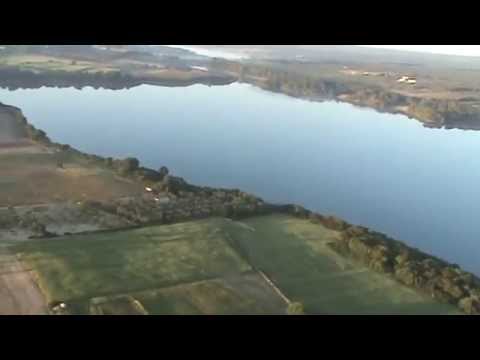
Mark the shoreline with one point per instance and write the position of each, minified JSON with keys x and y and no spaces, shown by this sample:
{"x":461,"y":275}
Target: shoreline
{"x":12,"y":79}
{"x":431,"y":112}
{"x":425,"y":273}
{"x":434,"y":113}
{"x":433,"y":101}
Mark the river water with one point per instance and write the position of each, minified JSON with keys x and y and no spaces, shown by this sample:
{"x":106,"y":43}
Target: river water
{"x":383,"y":171}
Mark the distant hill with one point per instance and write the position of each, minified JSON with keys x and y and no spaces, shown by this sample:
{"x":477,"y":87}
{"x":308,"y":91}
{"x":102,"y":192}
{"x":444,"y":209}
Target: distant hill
{"x":349,"y":54}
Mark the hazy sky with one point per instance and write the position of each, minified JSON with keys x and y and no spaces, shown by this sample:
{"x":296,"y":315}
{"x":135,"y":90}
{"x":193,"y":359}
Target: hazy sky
{"x":465,"y":50}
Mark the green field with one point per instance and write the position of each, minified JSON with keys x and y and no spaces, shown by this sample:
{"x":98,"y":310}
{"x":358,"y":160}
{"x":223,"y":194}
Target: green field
{"x":203,"y":267}
{"x":78,"y":268}
{"x":295,"y":256}
{"x":125,"y":305}
{"x":240,"y":295}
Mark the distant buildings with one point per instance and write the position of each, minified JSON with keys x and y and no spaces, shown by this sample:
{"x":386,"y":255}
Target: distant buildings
{"x":404,"y":79}
{"x":200,"y":68}
{"x":118,"y":48}
{"x":373,"y":73}
{"x":349,"y":71}
{"x":408,"y":80}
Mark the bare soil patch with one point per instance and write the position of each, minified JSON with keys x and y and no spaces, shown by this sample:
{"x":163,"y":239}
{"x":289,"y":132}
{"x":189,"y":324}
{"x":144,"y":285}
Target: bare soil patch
{"x":37,"y":180}
{"x":11,"y":130}
{"x":19,"y":293}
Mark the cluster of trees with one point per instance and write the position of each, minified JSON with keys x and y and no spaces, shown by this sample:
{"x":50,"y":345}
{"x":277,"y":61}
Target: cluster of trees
{"x":9,"y":218}
{"x":280,"y":79}
{"x":379,"y":98}
{"x":425,"y":111}
{"x":290,"y":79}
{"x":15,"y":77}
{"x":36,"y":134}
{"x":130,"y":167}
{"x":303,"y":85}
{"x":127,"y":166}
{"x":443,"y":111}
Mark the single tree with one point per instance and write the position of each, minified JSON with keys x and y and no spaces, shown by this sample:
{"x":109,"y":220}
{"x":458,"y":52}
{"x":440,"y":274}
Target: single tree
{"x":128,"y":166}
{"x":163,"y":171}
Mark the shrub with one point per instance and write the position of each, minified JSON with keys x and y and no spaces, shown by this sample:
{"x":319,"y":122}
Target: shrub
{"x":295,"y":308}
{"x":163,"y":171}
{"x":128,"y":166}
{"x":334,"y":223}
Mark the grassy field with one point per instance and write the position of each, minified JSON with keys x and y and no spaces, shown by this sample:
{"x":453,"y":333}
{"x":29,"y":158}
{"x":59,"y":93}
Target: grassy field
{"x":242,"y":295}
{"x":294,"y":254}
{"x":34,"y":178}
{"x":159,"y":264}
{"x":51,"y":63}
{"x":30,"y":173}
{"x":192,"y":268}
{"x":42,"y":63}
{"x":126,"y":305}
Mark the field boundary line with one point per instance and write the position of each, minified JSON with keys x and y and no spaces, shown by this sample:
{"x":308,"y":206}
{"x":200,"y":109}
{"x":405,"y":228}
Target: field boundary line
{"x":160,"y":288}
{"x":274,"y":287}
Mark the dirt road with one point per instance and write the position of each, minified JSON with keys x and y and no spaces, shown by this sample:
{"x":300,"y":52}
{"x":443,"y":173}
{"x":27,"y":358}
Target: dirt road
{"x":19,"y":294}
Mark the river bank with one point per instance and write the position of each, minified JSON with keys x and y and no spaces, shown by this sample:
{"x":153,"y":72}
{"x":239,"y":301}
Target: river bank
{"x":452,"y":102}
{"x":450,"y":109}
{"x":443,"y":112}
{"x":13,"y":79}
{"x":443,"y":281}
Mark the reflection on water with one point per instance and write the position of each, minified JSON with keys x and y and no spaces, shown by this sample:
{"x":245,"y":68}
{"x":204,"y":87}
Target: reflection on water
{"x":380,"y":170}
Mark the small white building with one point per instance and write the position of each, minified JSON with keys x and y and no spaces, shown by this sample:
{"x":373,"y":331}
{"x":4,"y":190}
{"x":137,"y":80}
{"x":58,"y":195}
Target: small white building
{"x":200,"y":68}
{"x":408,"y":80}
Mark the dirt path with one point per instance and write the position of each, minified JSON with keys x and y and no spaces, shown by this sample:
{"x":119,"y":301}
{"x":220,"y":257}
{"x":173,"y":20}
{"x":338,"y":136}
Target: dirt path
{"x":19,"y":294}
{"x":274,"y":287}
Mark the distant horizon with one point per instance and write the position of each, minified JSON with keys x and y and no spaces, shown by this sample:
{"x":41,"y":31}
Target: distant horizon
{"x":455,"y":50}
{"x":459,"y":50}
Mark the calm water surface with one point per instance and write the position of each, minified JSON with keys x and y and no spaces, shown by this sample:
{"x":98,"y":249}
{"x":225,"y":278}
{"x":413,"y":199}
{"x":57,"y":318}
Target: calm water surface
{"x":379,"y":170}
